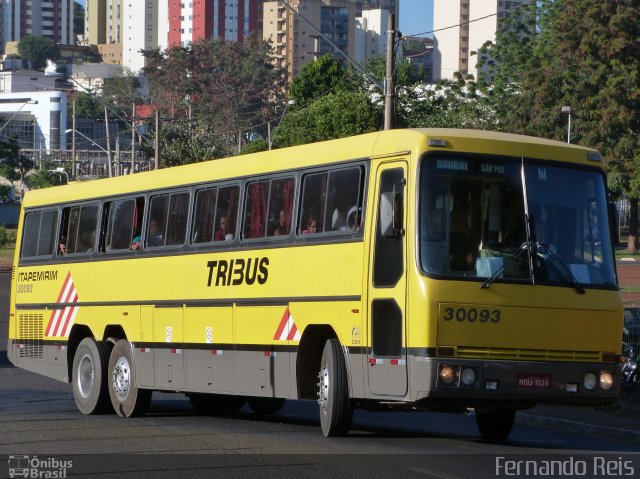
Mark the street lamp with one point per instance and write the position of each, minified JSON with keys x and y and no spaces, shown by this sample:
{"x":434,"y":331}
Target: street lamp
{"x":60,"y":171}
{"x":566,"y":110}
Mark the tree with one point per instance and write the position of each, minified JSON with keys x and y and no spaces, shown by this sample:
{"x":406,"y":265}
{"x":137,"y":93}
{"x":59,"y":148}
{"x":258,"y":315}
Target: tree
{"x":584,"y":54}
{"x":13,"y":165}
{"x":87,"y":106}
{"x":37,"y":50}
{"x":231,"y":86}
{"x":120,"y":93}
{"x":316,"y":79}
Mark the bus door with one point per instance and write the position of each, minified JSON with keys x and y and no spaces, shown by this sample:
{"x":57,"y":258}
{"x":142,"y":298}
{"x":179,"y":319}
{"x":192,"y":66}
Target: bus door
{"x":386,"y":328}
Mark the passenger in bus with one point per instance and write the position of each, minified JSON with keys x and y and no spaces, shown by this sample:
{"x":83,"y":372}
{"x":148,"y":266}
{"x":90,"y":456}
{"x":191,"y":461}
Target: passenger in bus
{"x":281,"y":229}
{"x":62,"y":246}
{"x":155,"y":235}
{"x":135,"y":243}
{"x":312,"y":225}
{"x":221,"y":233}
{"x":353,"y":218}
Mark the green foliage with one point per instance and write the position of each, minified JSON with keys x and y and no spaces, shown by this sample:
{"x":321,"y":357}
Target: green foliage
{"x":315,"y":80}
{"x":43,"y":179}
{"x":87,"y":106}
{"x":13,"y":165}
{"x":120,"y":93}
{"x":6,"y":237}
{"x":181,"y":145}
{"x":5,"y":191}
{"x":255,"y":146}
{"x":37,"y":50}
{"x":335,"y":115}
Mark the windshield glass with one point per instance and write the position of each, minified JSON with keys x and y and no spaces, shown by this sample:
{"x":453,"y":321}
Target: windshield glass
{"x":472,"y":221}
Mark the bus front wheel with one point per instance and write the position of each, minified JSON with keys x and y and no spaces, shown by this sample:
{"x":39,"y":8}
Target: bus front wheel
{"x":127,"y":399}
{"x":336,"y":410}
{"x":89,"y":376}
{"x":495,"y":425}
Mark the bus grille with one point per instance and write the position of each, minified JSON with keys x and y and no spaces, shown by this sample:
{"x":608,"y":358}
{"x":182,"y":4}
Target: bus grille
{"x":30,"y":336}
{"x":527,"y":354}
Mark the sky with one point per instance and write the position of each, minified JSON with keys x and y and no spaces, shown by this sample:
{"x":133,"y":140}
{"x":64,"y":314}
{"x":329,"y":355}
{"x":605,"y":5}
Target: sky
{"x":416,"y":16}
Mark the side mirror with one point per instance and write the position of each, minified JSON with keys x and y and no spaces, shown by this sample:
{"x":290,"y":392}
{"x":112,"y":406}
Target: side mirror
{"x":392,"y":212}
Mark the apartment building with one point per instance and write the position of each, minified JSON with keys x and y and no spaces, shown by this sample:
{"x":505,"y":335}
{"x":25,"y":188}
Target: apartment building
{"x":475,"y":22}
{"x":229,"y":19}
{"x":46,"y":18}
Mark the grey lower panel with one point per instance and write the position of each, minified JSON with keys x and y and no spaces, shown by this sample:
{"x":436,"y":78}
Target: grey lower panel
{"x":249,"y":373}
{"x":47,"y":359}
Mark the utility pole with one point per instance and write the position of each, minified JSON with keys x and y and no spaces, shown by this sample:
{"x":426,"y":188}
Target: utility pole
{"x":269,"y":133}
{"x":106,"y":126}
{"x":118,"y":164}
{"x":133,"y":138}
{"x":157,"y":158}
{"x":389,"y":92}
{"x":73,"y":140}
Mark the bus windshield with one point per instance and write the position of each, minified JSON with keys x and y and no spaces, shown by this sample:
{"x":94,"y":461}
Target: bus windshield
{"x":473,"y":222}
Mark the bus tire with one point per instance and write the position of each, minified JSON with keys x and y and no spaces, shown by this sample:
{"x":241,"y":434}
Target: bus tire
{"x":127,"y":399}
{"x":495,"y":425}
{"x":215,"y":404}
{"x":336,"y":410}
{"x":265,"y":406}
{"x":89,"y":376}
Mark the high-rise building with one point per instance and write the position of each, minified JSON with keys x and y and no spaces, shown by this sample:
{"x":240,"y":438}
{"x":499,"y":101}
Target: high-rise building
{"x":95,"y":22}
{"x":144,"y":27}
{"x":474,"y":23}
{"x":371,"y":34}
{"x":46,"y":18}
{"x":231,"y":20}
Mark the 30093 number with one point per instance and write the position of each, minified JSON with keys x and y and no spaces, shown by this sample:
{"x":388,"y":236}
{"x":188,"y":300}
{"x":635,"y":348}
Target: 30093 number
{"x":472,"y":315}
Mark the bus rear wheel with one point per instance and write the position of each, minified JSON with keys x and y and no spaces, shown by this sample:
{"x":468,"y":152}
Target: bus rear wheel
{"x":265,"y":406}
{"x":336,"y":411}
{"x":495,"y":425}
{"x":89,"y":376}
{"x":127,"y":399}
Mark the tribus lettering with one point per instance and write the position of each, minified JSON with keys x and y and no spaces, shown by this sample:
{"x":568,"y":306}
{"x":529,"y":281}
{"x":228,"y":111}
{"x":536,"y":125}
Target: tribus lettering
{"x":238,"y":271}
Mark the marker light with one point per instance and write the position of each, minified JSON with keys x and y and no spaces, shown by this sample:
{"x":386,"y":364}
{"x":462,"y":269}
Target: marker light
{"x":589,"y":381}
{"x":447,"y":375}
{"x":468,"y":376}
{"x":606,"y":380}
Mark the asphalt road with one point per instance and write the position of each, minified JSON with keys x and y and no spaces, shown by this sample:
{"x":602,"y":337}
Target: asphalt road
{"x":38,"y":417}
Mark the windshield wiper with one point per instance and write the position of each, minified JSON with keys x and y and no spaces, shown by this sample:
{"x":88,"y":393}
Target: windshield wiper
{"x":491,"y":279}
{"x":557,"y":264}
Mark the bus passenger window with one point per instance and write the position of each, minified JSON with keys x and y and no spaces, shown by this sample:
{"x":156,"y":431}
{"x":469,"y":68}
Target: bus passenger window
{"x":226,"y":213}
{"x":281,"y":207}
{"x":255,"y":220}
{"x":124,"y":227}
{"x":78,"y":228}
{"x":167,"y":220}
{"x":203,"y":221}
{"x":38,"y":238}
{"x":344,"y":193}
{"x":314,"y":188}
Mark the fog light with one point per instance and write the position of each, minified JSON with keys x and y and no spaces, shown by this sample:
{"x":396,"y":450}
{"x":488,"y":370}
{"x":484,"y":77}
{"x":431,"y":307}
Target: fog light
{"x":447,"y":375}
{"x":571,"y":388}
{"x":606,"y":380}
{"x":468,"y":376}
{"x":589,"y":381}
{"x":491,"y":385}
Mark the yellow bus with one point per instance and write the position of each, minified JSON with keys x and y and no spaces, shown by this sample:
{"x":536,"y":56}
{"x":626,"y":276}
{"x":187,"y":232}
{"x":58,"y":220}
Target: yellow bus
{"x":426,"y":269}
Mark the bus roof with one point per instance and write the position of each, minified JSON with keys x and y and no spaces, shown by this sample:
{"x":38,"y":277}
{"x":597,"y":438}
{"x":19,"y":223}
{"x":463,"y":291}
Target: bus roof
{"x":371,"y":145}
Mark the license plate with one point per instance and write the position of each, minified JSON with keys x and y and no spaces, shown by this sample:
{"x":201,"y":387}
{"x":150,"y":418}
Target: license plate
{"x":534,"y":381}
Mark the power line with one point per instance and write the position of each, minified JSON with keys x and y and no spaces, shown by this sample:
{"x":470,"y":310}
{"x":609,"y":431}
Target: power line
{"x":506,"y":10}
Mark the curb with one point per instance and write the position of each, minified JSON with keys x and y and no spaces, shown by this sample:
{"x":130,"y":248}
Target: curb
{"x":566,"y":425}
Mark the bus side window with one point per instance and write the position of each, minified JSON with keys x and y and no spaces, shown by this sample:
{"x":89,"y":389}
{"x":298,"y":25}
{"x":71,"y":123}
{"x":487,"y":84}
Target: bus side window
{"x":124,"y":224}
{"x":38,"y":237}
{"x":314,"y":188}
{"x":344,"y":201}
{"x":167,"y":220}
{"x":281,"y":207}
{"x":255,"y":219}
{"x":78,"y":229}
{"x":227,"y":213}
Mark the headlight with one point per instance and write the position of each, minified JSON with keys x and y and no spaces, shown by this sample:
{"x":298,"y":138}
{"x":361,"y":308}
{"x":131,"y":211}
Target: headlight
{"x":447,"y":375}
{"x":468,"y":376}
{"x":606,"y":380}
{"x":589,"y":381}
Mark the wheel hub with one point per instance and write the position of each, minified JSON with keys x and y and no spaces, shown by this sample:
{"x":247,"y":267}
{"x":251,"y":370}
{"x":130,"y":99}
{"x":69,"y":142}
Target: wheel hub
{"x":85,"y":376}
{"x":323,"y":387}
{"x":121,"y":378}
